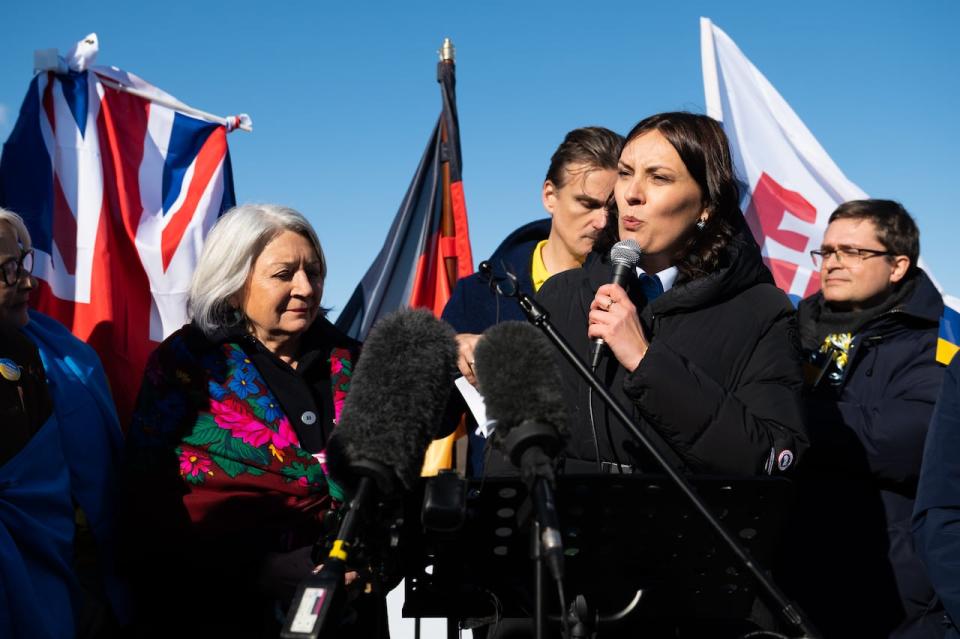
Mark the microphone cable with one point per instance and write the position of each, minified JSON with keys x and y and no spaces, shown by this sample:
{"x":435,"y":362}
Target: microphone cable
{"x":593,"y":427}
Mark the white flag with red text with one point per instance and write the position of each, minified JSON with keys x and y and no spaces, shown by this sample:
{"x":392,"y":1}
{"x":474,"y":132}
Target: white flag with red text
{"x":793,"y":185}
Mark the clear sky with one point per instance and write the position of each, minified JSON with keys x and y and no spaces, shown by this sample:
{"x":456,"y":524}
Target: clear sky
{"x":343,"y":95}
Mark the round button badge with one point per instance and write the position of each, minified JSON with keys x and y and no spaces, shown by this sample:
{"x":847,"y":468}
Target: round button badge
{"x":9,"y":369}
{"x":308,"y":417}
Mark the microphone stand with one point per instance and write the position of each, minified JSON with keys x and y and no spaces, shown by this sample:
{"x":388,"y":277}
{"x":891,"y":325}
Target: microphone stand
{"x":532,"y":447}
{"x":791,"y":613}
{"x":536,"y":551}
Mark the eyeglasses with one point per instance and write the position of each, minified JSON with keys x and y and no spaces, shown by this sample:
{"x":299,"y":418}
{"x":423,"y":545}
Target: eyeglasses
{"x":845,"y":255}
{"x":13,"y":269}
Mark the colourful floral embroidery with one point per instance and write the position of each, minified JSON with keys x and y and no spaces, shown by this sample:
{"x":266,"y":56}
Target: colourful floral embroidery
{"x":269,"y":408}
{"x":237,"y":358}
{"x":236,"y":417}
{"x":240,"y":428}
{"x":304,"y":474}
{"x":243,"y":382}
{"x":341,"y":370}
{"x":194,"y":466}
{"x":217,"y":391}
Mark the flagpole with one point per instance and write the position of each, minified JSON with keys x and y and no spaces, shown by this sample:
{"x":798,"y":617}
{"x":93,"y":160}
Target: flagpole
{"x":447,"y":225}
{"x":452,"y":449}
{"x":241,"y":121}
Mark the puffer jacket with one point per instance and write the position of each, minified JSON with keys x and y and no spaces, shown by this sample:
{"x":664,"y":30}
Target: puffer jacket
{"x":721,"y":380}
{"x":853,"y":567}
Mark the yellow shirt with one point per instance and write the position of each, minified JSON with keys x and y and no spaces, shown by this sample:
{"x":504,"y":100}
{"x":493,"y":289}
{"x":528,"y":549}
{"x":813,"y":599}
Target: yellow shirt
{"x":538,"y":270}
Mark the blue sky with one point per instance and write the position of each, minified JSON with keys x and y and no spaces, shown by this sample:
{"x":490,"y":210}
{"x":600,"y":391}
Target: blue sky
{"x":343,"y":95}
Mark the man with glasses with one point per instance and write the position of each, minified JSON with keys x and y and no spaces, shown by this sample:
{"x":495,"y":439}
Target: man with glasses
{"x":870,"y":338}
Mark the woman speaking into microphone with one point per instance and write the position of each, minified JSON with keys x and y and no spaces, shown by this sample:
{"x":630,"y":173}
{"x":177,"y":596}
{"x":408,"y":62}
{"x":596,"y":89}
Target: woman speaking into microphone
{"x":701,"y":346}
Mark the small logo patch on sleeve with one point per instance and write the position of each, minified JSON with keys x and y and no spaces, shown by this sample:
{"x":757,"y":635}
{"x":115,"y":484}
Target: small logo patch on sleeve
{"x":784,"y":459}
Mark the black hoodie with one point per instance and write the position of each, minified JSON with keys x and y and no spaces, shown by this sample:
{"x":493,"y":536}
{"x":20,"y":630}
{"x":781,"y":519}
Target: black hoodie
{"x":721,"y":380}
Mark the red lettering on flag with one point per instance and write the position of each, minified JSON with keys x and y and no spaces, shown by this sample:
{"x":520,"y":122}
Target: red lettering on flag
{"x":770,"y":203}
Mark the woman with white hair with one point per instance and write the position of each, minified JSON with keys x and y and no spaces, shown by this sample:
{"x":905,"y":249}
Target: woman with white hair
{"x":60,"y":445}
{"x":227,"y":483}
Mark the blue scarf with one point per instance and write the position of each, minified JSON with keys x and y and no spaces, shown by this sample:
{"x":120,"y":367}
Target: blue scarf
{"x":38,"y":589}
{"x":90,"y":435}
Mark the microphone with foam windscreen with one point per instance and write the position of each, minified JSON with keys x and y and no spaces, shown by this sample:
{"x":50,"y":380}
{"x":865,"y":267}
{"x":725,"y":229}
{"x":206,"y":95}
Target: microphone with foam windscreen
{"x":396,"y":402}
{"x":395,"y":408}
{"x":520,"y":382}
{"x":625,"y":255}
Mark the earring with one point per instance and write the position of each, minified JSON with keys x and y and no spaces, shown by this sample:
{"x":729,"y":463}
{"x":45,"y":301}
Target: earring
{"x":701,"y":223}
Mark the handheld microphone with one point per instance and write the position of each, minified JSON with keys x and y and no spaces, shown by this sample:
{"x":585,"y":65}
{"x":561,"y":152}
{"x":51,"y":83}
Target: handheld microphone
{"x":393,"y":411}
{"x":520,"y":382}
{"x":625,"y":255}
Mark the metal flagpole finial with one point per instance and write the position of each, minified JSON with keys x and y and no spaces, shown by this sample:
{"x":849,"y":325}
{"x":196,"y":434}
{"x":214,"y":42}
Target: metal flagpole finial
{"x":447,"y":51}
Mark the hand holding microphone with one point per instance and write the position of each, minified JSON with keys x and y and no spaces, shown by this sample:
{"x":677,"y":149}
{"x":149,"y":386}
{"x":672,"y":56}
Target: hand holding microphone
{"x":613,"y":321}
{"x":624,"y":256}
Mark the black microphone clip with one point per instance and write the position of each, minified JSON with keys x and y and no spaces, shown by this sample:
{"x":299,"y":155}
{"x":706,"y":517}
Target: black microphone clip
{"x":505,"y":282}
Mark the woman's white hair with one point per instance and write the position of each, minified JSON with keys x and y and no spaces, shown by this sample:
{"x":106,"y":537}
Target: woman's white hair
{"x":19,"y":228}
{"x":230,"y":250}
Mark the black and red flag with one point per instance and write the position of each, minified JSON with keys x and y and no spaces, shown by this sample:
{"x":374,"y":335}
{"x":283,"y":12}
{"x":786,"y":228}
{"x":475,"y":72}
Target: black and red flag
{"x":428,"y":246}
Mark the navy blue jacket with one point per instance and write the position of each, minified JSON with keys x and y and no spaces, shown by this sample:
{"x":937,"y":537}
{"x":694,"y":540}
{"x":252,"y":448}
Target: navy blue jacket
{"x":855,"y":570}
{"x":936,"y":521}
{"x":475,"y":305}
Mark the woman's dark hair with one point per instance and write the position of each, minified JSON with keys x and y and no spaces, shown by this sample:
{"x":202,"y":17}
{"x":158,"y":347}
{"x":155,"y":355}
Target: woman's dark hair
{"x":896,"y":228}
{"x":702,"y":146}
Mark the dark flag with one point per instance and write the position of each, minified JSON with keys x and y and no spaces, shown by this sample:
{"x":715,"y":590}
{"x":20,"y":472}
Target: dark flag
{"x":428,"y":246}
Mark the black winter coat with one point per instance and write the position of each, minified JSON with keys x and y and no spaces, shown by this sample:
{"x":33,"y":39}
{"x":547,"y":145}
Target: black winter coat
{"x":720,"y":382}
{"x":854,"y":568}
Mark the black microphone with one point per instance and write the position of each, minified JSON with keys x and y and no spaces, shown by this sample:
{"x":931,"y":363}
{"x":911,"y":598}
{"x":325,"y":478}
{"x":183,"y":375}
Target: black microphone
{"x":395,"y":407}
{"x":625,"y":255}
{"x":520,"y":382}
{"x":396,"y":402}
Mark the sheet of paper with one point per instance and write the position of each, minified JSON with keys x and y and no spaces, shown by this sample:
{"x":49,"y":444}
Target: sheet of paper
{"x":477,"y":408}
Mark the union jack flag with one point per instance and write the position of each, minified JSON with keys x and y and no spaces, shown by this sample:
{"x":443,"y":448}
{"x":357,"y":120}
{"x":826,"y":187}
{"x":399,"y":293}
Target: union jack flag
{"x":118,"y":185}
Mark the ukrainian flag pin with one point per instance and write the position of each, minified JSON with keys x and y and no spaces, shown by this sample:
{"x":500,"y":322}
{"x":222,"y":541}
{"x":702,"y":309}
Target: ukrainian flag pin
{"x":9,"y":369}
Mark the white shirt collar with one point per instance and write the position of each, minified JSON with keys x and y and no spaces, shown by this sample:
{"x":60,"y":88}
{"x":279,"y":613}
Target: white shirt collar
{"x":667,"y":276}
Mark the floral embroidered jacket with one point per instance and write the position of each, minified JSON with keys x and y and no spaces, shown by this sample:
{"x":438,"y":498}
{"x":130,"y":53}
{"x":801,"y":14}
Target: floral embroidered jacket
{"x":212,"y":456}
